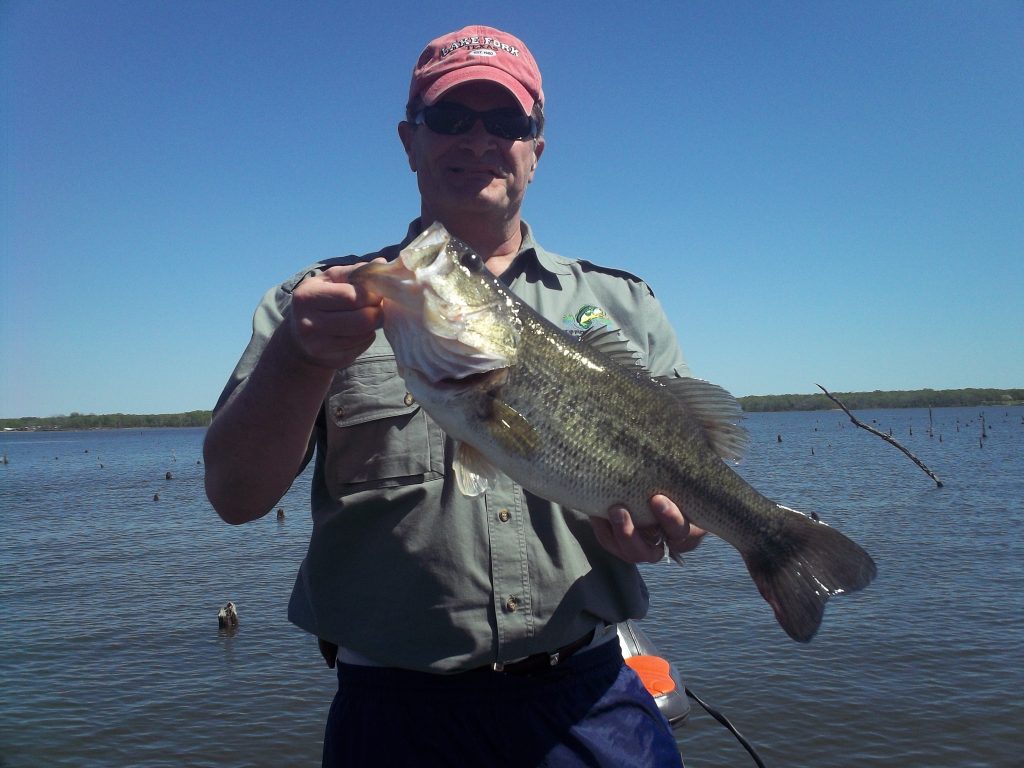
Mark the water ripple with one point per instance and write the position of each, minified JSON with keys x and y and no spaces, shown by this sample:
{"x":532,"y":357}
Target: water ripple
{"x":111,"y":655}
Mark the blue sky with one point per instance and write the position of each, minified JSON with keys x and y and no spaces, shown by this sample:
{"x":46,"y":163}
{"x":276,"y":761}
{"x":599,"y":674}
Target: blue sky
{"x":826,"y":192}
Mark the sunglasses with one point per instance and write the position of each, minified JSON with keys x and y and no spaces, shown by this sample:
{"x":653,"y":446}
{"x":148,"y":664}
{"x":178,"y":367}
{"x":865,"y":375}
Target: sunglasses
{"x":452,"y":119}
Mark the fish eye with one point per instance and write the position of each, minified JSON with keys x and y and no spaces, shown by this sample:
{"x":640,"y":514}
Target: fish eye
{"x":471,"y":261}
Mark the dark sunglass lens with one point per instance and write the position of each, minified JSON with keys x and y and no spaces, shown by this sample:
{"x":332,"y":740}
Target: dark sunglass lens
{"x":452,"y":119}
{"x":508,"y":123}
{"x":449,"y":119}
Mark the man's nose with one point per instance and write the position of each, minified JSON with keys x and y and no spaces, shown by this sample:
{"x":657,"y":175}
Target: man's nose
{"x":478,"y":135}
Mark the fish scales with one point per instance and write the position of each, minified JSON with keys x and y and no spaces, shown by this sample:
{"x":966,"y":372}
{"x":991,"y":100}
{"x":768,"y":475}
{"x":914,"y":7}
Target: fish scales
{"x":570,"y":422}
{"x":596,"y":432}
{"x":616,"y":437}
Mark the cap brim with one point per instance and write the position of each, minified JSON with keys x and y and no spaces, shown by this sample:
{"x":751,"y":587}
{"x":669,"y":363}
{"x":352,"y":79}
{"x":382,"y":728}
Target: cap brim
{"x":449,"y":80}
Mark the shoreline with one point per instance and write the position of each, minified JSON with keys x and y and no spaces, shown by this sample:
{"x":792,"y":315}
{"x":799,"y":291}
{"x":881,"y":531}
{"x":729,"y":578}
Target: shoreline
{"x":920,"y":398}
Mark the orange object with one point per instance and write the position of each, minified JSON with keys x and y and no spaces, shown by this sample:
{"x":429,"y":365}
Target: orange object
{"x":654,"y":673}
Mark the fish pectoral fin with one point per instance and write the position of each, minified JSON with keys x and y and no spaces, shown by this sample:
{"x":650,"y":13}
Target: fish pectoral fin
{"x":511,"y":430}
{"x":474,"y":474}
{"x":717,"y":411}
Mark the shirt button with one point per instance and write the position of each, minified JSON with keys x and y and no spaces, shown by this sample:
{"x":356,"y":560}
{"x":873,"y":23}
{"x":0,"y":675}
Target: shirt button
{"x":504,"y":515}
{"x":512,"y":604}
{"x":409,"y":399}
{"x":338,"y":411}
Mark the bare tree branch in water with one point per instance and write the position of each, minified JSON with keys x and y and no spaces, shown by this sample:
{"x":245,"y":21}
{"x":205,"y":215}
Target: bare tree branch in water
{"x":885,"y":437}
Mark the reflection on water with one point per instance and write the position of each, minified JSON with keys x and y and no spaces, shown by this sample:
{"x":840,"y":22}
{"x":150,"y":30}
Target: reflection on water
{"x":112,"y":653}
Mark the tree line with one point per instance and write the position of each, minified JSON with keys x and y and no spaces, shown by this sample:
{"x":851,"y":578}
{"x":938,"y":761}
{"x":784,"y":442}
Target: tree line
{"x":108,"y":421}
{"x":918,"y":398}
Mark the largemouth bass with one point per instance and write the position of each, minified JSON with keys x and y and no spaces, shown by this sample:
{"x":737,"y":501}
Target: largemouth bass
{"x":577,"y":422}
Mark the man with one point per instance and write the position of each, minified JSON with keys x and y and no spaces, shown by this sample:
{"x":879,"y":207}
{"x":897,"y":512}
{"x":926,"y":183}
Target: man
{"x":473,"y":630}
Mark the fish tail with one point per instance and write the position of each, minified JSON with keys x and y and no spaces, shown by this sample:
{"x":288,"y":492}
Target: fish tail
{"x":799,"y":569}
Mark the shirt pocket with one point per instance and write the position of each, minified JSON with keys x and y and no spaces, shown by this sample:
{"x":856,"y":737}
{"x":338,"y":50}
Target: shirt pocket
{"x":377,"y":435}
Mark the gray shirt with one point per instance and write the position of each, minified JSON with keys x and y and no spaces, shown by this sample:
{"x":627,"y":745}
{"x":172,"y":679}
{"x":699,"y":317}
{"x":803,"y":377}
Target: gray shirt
{"x":404,"y":570}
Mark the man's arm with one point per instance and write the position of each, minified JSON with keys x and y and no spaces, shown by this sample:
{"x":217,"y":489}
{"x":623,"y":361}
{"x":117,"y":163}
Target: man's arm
{"x":259,"y":437}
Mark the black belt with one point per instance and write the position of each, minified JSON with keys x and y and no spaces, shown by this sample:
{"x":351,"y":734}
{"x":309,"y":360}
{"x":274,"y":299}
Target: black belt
{"x":540,"y":662}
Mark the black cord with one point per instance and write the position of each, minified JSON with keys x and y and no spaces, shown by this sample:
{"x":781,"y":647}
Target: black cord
{"x":732,"y":728}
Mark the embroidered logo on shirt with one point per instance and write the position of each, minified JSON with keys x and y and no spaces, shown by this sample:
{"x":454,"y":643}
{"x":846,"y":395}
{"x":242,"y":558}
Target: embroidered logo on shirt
{"x":585,"y":318}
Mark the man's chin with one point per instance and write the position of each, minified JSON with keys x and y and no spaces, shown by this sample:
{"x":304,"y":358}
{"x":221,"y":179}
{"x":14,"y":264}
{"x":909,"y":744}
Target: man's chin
{"x":476,"y":200}
{"x":475,"y":184}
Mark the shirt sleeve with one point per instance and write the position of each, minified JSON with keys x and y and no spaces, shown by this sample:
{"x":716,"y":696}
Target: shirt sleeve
{"x":664,"y":356}
{"x":635,"y":310}
{"x":266,"y":319}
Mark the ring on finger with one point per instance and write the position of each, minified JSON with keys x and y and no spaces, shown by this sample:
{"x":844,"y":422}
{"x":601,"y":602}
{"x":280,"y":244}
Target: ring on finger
{"x":658,"y":541}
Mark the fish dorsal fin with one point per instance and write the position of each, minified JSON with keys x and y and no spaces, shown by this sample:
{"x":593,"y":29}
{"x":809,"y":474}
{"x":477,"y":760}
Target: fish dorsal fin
{"x":717,"y":411}
{"x":612,"y":344}
{"x":474,"y":474}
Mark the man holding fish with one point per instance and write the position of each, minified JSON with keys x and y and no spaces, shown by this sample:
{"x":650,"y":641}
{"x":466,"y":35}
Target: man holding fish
{"x":471,"y":618}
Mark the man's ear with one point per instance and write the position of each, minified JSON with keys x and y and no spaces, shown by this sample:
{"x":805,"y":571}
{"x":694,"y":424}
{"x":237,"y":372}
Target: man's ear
{"x":538,"y":150}
{"x":406,"y":131}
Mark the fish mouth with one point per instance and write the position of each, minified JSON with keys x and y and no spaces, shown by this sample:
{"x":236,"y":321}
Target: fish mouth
{"x":378,"y":274}
{"x":395,"y":282}
{"x":437,"y":318}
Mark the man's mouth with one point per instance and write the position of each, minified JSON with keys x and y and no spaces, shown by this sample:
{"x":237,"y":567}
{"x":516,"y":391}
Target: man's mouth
{"x":475,"y":170}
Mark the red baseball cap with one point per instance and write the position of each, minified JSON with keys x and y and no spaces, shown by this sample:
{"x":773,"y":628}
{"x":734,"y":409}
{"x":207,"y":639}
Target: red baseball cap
{"x":477,"y":53}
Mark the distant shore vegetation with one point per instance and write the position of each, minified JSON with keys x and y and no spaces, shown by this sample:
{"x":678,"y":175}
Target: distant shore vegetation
{"x":918,"y":398}
{"x":915,"y":398}
{"x":77,"y":421}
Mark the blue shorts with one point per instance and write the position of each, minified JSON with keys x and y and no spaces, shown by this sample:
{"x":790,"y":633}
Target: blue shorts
{"x":590,"y":710}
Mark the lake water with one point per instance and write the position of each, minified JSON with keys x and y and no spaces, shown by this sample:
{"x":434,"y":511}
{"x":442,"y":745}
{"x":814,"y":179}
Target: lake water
{"x":112,"y":575}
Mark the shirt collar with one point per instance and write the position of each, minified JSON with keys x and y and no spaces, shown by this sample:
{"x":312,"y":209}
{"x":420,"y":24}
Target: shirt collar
{"x":546,"y":260}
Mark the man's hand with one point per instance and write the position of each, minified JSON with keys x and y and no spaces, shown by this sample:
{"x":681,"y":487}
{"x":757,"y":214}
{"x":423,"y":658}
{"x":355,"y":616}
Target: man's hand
{"x":332,"y":320}
{"x":256,"y":444}
{"x":648,"y":544}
